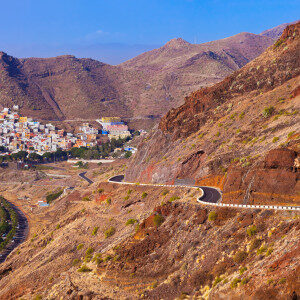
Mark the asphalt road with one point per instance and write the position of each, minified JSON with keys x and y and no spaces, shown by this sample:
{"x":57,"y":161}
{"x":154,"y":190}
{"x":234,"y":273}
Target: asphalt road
{"x":211,"y":195}
{"x":20,"y":236}
{"x":82,"y":175}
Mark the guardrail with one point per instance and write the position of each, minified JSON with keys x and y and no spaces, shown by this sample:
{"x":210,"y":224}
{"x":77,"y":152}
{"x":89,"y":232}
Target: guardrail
{"x":274,"y":207}
{"x":119,"y":178}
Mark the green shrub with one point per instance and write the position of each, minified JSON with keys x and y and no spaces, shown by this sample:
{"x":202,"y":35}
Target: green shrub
{"x":282,"y":281}
{"x":154,"y":285}
{"x":75,"y":262}
{"x":129,"y":192}
{"x":235,"y":283}
{"x":84,"y":269}
{"x":86,"y":198}
{"x":128,"y":154}
{"x":242,"y":270}
{"x":212,"y":216}
{"x":217,"y":280}
{"x":291,"y":133}
{"x":277,"y":43}
{"x":268,"y":111}
{"x":107,"y":258}
{"x":233,"y":116}
{"x":131,"y":222}
{"x":98,"y":258}
{"x":242,"y":114}
{"x":218,"y":134}
{"x":252,"y":230}
{"x":269,"y":251}
{"x":275,"y":139}
{"x":240,"y":256}
{"x":245,"y":280}
{"x":158,"y":220}
{"x":261,"y":250}
{"x":255,"y":244}
{"x":108,"y":201}
{"x":80,"y":246}
{"x":95,"y":230}
{"x":137,"y":227}
{"x":88,"y":254}
{"x":164,"y":192}
{"x":144,"y":195}
{"x":53,"y":196}
{"x":109,"y":232}
{"x":173,"y":198}
{"x":100,"y":191}
{"x":126,"y":197}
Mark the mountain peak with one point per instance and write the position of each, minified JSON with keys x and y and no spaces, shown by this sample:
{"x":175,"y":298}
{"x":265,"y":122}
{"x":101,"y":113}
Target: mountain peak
{"x":177,"y":43}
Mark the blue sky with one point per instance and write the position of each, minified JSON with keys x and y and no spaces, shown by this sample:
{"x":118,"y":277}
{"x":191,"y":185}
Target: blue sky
{"x":115,"y":30}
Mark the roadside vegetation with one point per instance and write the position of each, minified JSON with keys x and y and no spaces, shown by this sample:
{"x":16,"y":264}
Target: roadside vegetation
{"x":99,"y":151}
{"x":8,"y":223}
{"x":53,"y":196}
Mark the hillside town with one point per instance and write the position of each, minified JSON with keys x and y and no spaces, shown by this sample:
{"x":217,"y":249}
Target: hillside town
{"x":21,"y":133}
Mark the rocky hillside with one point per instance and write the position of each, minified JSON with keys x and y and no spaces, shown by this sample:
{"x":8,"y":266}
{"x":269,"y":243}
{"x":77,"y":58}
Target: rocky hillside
{"x":221,"y":135}
{"x":68,"y":88}
{"x":62,"y":87}
{"x":107,"y":241}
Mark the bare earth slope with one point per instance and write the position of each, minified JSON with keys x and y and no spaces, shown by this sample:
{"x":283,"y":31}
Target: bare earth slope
{"x":66,"y":87}
{"x":94,"y":249}
{"x":221,"y":135}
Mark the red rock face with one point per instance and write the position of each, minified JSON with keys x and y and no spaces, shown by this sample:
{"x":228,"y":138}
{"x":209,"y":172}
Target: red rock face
{"x":191,"y":165}
{"x":273,"y":180}
{"x":280,"y":159}
{"x":296,"y":92}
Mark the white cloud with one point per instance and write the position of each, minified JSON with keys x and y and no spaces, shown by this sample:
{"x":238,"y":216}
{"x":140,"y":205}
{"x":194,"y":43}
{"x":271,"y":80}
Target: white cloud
{"x":101,"y":32}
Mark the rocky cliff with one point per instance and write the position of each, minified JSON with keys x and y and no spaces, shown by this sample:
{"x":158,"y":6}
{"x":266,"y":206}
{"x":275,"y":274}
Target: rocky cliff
{"x":230,"y":125}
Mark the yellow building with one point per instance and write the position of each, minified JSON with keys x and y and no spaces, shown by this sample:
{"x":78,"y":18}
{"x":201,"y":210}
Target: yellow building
{"x":23,"y":119}
{"x":110,"y":119}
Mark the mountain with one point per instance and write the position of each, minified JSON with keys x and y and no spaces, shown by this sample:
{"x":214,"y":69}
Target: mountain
{"x":241,"y":134}
{"x":106,"y":240}
{"x":276,"y":32}
{"x":62,"y":87}
{"x":178,"y":68}
{"x":69,"y":88}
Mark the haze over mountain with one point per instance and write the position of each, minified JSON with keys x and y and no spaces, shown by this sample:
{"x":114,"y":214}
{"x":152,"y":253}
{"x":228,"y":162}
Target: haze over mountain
{"x":66,"y":87}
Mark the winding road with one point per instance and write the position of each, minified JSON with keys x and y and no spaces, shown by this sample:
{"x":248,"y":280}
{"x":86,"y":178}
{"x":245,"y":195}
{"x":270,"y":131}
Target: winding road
{"x":82,"y":175}
{"x":208,"y":196}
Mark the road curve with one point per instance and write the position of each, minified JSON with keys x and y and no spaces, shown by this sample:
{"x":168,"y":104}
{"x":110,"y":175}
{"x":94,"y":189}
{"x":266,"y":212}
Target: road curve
{"x":82,"y":175}
{"x":20,"y":235}
{"x":209,"y":196}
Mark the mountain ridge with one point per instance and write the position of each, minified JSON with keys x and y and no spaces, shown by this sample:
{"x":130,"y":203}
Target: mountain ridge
{"x":224,"y":135}
{"x":69,"y":88}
